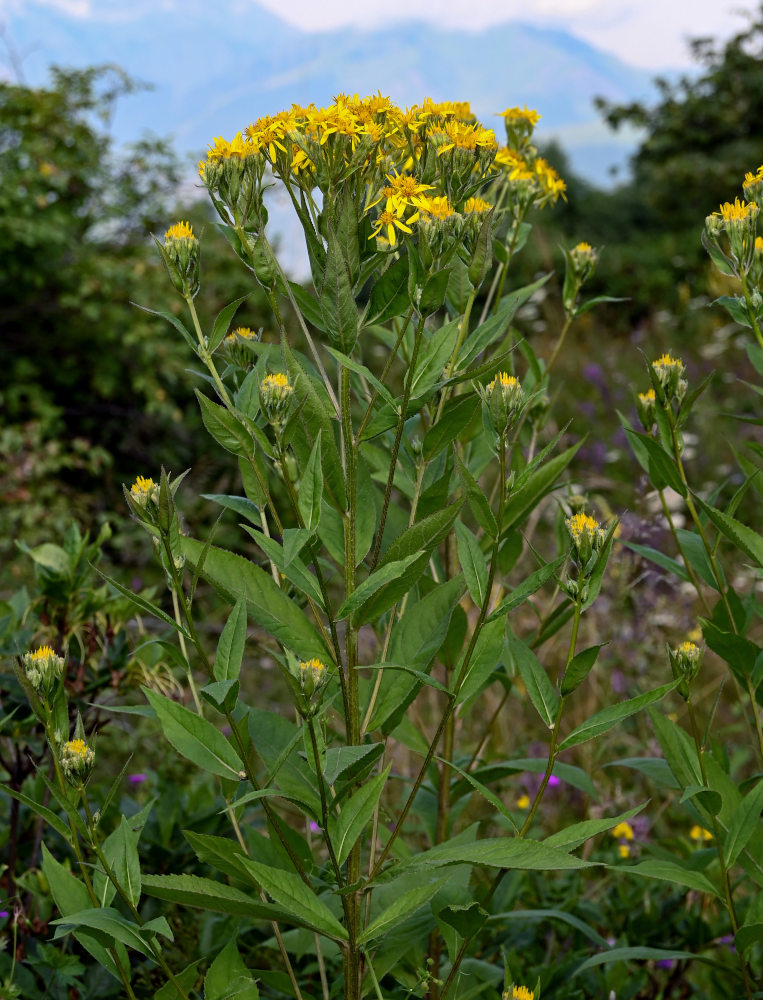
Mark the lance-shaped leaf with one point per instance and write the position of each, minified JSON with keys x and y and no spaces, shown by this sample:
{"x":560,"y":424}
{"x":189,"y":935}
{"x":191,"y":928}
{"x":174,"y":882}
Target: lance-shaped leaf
{"x":235,"y":577}
{"x":340,"y":314}
{"x":121,"y":852}
{"x":223,"y":321}
{"x":195,"y":738}
{"x":378,"y":579}
{"x":577,"y":834}
{"x":673,"y":871}
{"x":230,"y":646}
{"x":226,"y":429}
{"x":403,"y":906}
{"x":291,"y":893}
{"x":206,"y":894}
{"x":746,"y":821}
{"x":473,"y":563}
{"x":749,"y":541}
{"x":311,"y":488}
{"x":539,"y":688}
{"x":500,"y":852}
{"x":540,"y":482}
{"x":656,"y":461}
{"x":345,"y":829}
{"x":609,"y":717}
{"x":579,"y":667}
{"x":108,"y":921}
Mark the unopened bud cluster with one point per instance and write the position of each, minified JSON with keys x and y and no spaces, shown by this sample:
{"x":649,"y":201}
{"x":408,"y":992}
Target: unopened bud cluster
{"x":731,"y":230}
{"x":276,"y":394}
{"x":77,"y":760}
{"x":313,"y":677}
{"x":645,"y":404}
{"x":504,"y":397}
{"x":584,"y":258}
{"x":670,"y":373}
{"x":587,"y":537}
{"x":237,"y":345}
{"x":43,"y":668}
{"x":685,"y":661}
{"x":181,"y":254}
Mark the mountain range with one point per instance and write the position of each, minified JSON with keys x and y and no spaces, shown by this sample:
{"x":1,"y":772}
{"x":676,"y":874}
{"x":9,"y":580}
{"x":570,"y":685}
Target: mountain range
{"x":214,"y":67}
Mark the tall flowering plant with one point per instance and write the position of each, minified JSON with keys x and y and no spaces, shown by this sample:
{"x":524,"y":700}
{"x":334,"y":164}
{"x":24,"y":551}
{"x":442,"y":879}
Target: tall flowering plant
{"x":395,"y":474}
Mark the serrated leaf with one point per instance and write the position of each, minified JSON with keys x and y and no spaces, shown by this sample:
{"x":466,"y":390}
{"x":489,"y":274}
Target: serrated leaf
{"x":403,"y":906}
{"x":194,"y":737}
{"x":291,"y":893}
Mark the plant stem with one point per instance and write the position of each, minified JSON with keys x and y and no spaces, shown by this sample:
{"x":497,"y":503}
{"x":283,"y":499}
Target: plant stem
{"x":402,"y":417}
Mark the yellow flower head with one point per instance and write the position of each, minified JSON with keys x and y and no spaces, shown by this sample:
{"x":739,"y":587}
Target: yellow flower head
{"x":700,"y":834}
{"x":243,"y":332}
{"x":476,"y":205}
{"x":43,"y":667}
{"x":522,"y":993}
{"x":521,"y":116}
{"x":180,"y":231}
{"x":312,"y":676}
{"x":623,"y":850}
{"x":523,"y":802}
{"x":647,"y":397}
{"x":670,"y":373}
{"x":143,"y":490}
{"x":436,"y":207}
{"x":737,"y":211}
{"x":623,"y":831}
{"x":759,"y":244}
{"x":77,"y":760}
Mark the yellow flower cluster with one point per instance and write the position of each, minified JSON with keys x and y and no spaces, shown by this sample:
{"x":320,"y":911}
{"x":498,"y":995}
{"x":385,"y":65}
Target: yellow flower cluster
{"x":419,"y":164}
{"x":143,"y":490}
{"x":180,"y":231}
{"x":737,"y":211}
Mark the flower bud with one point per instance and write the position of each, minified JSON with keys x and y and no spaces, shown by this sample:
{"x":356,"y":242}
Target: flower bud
{"x":312,"y":677}
{"x":752,"y":187}
{"x":504,"y":397}
{"x":43,"y":668}
{"x":276,"y":393}
{"x":684,"y":661}
{"x":587,"y":536}
{"x":181,"y":254}
{"x":584,"y":259}
{"x":645,"y":405}
{"x":77,"y":760}
{"x":670,"y":375}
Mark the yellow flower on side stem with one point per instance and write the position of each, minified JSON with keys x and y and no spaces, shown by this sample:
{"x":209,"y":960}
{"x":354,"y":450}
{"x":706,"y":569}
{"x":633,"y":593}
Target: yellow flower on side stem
{"x":700,"y":834}
{"x":523,"y":802}
{"x":391,"y":220}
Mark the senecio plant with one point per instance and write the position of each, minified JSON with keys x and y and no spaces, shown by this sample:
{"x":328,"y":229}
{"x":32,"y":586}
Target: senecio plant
{"x":396,"y":473}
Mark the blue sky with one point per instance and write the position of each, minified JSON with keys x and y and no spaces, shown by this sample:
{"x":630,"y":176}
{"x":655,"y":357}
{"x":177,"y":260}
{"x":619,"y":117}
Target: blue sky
{"x":648,"y":33}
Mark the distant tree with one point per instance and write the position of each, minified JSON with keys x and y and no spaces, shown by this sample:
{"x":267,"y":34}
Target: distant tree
{"x":703,"y":133}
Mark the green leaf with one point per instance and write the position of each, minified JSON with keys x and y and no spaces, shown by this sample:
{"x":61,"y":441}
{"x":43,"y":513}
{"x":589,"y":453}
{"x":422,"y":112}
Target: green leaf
{"x":679,"y":750}
{"x":745,"y":822}
{"x":579,"y":667}
{"x":457,"y":415}
{"x":561,"y":915}
{"x":578,"y":833}
{"x":366,"y":373}
{"x":107,"y":920}
{"x":520,"y":594}
{"x":401,"y":908}
{"x":308,"y":306}
{"x":653,"y":458}
{"x":749,"y":541}
{"x":485,"y":792}
{"x":465,"y":918}
{"x":223,"y":321}
{"x":121,"y":852}
{"x":311,"y":488}
{"x":235,"y":577}
{"x":340,"y":314}
{"x":433,"y":292}
{"x":340,"y":759}
{"x":478,"y":502}
{"x":43,"y":812}
{"x":195,"y":738}
{"x":755,"y":354}
{"x":433,"y":359}
{"x":607,"y":718}
{"x":596,"y":301}
{"x":539,"y":688}
{"x":482,"y":258}
{"x":500,"y":852}
{"x":226,"y":429}
{"x":378,"y":579}
{"x":653,"y":767}
{"x":738,"y":651}
{"x":69,"y":894}
{"x":230,"y":646}
{"x":228,"y":978}
{"x":295,"y":570}
{"x":185,"y":980}
{"x":293,"y":895}
{"x":176,"y":323}
{"x":207,"y":894}
{"x":345,"y":829}
{"x":671,"y":871}
{"x":142,"y":603}
{"x":489,"y":332}
{"x":540,"y":482}
{"x":637,"y":954}
{"x":389,"y":295}
{"x":241,"y":505}
{"x":485,"y":661}
{"x":658,"y":558}
{"x":473,"y":563}
{"x":736,"y":307}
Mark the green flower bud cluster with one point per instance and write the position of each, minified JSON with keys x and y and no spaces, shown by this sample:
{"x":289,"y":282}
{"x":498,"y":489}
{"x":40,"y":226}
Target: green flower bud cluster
{"x":504,"y":398}
{"x":43,"y":668}
{"x":645,"y":404}
{"x":737,"y":221}
{"x":276,"y":394}
{"x":77,"y":760}
{"x":181,"y":253}
{"x":313,"y":678}
{"x":670,"y":373}
{"x":684,"y":662}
